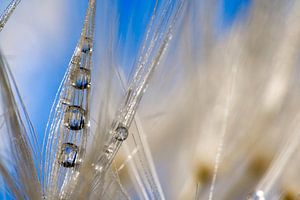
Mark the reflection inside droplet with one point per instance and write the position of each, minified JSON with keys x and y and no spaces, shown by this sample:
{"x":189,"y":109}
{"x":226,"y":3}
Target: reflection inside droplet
{"x":81,"y":78}
{"x":68,"y":154}
{"x":87,"y":45}
{"x":121,"y":133}
{"x":258,"y":195}
{"x":74,"y":118}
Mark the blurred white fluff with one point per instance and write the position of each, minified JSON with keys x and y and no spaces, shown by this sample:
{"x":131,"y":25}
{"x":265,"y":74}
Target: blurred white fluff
{"x":233,"y":94}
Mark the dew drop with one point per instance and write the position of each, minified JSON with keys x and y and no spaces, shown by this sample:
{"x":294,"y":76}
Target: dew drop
{"x":87,"y":45}
{"x":74,"y":118}
{"x":121,"y":133}
{"x":258,"y":195}
{"x":81,"y":78}
{"x":68,"y":154}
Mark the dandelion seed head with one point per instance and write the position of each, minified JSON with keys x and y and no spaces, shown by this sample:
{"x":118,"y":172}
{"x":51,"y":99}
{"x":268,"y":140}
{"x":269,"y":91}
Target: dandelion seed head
{"x":232,"y":98}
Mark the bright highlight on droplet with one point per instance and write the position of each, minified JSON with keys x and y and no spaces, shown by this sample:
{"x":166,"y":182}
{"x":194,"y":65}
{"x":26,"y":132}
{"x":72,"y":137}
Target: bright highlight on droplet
{"x":258,"y":195}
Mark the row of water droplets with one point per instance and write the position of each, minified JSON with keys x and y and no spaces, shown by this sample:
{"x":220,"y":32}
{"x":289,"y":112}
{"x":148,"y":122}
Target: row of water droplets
{"x":69,"y":130}
{"x":151,"y":54}
{"x":8,"y":12}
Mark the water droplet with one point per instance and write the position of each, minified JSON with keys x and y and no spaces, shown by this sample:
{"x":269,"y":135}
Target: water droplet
{"x":258,"y":195}
{"x":68,"y":154}
{"x":87,"y":45}
{"x":74,"y":118}
{"x":121,"y":133}
{"x":81,"y":78}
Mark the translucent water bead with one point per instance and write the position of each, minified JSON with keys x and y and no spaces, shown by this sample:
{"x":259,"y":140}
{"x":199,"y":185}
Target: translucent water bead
{"x":257,"y":195}
{"x":74,"y":118}
{"x":87,"y":45}
{"x":68,"y":155}
{"x":121,"y":133}
{"x":81,"y":78}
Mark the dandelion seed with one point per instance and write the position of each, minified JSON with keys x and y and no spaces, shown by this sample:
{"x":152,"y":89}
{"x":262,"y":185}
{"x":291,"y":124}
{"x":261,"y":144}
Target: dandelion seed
{"x":71,"y":117}
{"x":248,"y":112}
{"x":8,"y":12}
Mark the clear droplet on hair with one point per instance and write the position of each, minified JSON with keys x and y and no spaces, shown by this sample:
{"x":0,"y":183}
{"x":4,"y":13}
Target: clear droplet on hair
{"x":74,"y":118}
{"x":87,"y":45}
{"x":81,"y":78}
{"x":121,"y":133}
{"x":68,"y":155}
{"x":257,"y":195}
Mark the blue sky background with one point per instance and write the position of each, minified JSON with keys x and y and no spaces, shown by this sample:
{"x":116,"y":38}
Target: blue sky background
{"x":231,"y":8}
{"x":40,"y":38}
